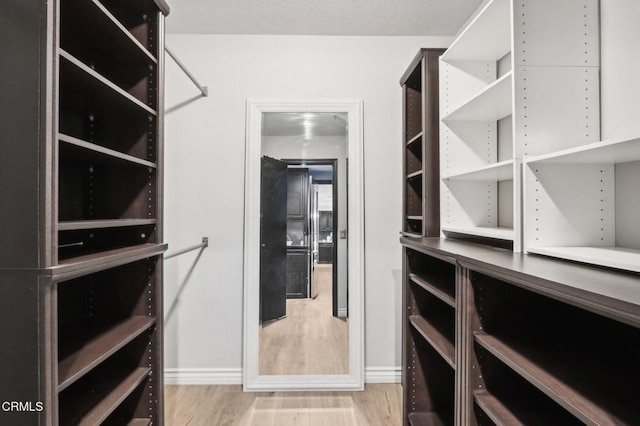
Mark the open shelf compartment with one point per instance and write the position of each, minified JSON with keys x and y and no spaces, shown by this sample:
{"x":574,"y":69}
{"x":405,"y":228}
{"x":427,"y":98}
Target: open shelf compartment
{"x":508,"y":399}
{"x":493,"y":103}
{"x":582,"y":361}
{"x":90,"y":33}
{"x":581,"y":204}
{"x":96,"y":111}
{"x":432,"y":383}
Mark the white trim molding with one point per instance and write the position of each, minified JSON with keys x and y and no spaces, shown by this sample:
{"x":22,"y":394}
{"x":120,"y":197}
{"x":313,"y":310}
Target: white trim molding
{"x":252,"y":380}
{"x":383,"y":375}
{"x":203,"y":376}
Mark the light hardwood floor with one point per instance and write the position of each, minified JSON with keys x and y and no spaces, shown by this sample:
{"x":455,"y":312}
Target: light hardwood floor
{"x":378,"y":405}
{"x":309,"y":340}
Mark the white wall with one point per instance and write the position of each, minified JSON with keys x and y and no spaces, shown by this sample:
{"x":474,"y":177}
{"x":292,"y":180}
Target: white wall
{"x":205,"y":177}
{"x":320,"y":147}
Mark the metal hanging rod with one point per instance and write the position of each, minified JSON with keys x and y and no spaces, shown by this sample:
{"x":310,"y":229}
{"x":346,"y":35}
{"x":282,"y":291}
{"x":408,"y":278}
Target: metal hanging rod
{"x":204,"y":244}
{"x":203,"y":89}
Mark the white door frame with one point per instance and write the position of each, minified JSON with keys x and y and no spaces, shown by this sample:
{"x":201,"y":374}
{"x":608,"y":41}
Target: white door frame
{"x":252,"y":381}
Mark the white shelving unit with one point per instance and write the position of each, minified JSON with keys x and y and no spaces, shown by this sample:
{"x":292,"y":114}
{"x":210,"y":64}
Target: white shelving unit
{"x":581,"y":204}
{"x":521,"y":80}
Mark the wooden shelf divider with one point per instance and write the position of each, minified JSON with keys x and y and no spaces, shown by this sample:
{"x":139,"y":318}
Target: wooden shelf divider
{"x":495,"y":409}
{"x":436,"y":339}
{"x":106,"y":259}
{"x":98,"y":12}
{"x":99,"y":224}
{"x":414,"y":139}
{"x":105,"y":398}
{"x":435,"y":288}
{"x":103,"y":151}
{"x":105,"y":82}
{"x":96,"y":350}
{"x":553,"y":386}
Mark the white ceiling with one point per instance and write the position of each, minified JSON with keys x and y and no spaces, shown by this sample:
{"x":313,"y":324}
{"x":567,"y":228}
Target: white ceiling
{"x":320,"y":17}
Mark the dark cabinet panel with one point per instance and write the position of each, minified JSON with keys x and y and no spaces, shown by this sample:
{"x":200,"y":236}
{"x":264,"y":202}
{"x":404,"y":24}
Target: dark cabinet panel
{"x":297,"y":274}
{"x":325,"y":221}
{"x":297,"y":193}
{"x":325,"y":253}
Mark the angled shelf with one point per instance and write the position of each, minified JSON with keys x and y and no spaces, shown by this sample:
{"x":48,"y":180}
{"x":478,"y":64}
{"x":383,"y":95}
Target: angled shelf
{"x":93,"y":82}
{"x":436,"y":287}
{"x":486,"y":38}
{"x":101,"y":224}
{"x":566,"y":389}
{"x":495,"y":172}
{"x":615,"y":151}
{"x":414,"y":175}
{"x":481,"y":231}
{"x":92,"y":408}
{"x":98,"y":153}
{"x":521,"y":404}
{"x":94,"y":20}
{"x":95,"y":350}
{"x":416,"y":138}
{"x":495,"y":409}
{"x":612,"y":257}
{"x":436,"y":339}
{"x":106,"y":259}
{"x":494,"y":103}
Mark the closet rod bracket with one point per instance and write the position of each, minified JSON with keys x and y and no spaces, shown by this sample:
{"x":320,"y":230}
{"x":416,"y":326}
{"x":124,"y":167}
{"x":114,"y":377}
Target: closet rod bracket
{"x":203,"y":245}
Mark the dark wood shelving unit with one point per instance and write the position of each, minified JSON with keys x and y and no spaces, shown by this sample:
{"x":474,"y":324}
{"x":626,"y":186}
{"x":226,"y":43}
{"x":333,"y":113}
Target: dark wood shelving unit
{"x":536,"y":341}
{"x":81,"y":264}
{"x":420,"y":141}
{"x":429,"y":339}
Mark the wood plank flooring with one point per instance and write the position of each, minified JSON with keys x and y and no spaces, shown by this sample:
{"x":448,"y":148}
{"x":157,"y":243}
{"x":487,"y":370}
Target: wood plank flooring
{"x":309,"y":340}
{"x":377,"y":405}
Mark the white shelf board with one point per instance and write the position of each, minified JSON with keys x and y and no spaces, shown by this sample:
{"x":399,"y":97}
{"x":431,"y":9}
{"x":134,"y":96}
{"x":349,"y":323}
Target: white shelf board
{"x":496,"y":172}
{"x":481,"y":231}
{"x":613,"y":151}
{"x":612,"y":257}
{"x":492,"y":104}
{"x":486,"y":38}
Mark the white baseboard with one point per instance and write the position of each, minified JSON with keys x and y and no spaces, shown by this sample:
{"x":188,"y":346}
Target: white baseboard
{"x":343,"y":312}
{"x":382,"y":375}
{"x":233,"y":376}
{"x":203,"y":376}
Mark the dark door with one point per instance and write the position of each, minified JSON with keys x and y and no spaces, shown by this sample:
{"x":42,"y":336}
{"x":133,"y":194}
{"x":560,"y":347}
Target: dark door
{"x":273,"y":240}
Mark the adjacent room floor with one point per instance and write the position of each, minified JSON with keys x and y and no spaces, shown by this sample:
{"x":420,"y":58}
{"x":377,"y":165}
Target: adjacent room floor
{"x":309,"y":340}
